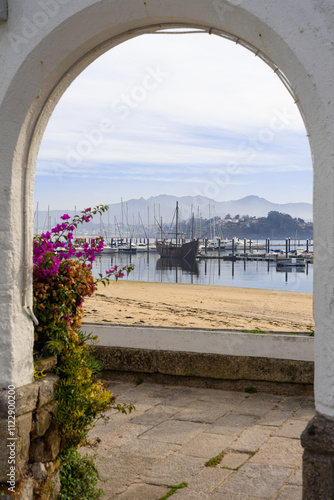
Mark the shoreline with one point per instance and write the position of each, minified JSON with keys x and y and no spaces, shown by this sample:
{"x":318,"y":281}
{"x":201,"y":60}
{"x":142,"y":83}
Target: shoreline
{"x":200,"y":306}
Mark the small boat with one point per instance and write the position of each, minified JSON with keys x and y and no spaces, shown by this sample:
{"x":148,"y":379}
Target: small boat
{"x":290,"y":262}
{"x":141,"y":247}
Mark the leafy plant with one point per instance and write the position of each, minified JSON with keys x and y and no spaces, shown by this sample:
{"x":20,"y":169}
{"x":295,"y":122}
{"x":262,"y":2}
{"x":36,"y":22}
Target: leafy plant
{"x":81,"y":398}
{"x":62,"y":278}
{"x":214,"y":461}
{"x":78,"y":477}
{"x":250,"y":390}
{"x":173,"y":490}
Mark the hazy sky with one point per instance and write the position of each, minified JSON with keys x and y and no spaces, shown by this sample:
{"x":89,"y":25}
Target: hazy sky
{"x":174,"y":114}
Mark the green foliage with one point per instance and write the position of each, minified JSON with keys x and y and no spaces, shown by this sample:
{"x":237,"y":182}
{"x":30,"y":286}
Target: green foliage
{"x":276,"y":226}
{"x":255,"y":331}
{"x":173,"y":490}
{"x":78,"y":477}
{"x":39,"y":373}
{"x":80,"y":397}
{"x":250,"y":390}
{"x":214,"y":461}
{"x":60,"y":284}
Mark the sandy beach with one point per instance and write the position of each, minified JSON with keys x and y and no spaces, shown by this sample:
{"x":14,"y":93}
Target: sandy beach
{"x":168,"y":304}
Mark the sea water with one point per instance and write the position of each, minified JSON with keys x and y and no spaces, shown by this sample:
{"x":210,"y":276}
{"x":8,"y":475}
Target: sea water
{"x":149,"y":267}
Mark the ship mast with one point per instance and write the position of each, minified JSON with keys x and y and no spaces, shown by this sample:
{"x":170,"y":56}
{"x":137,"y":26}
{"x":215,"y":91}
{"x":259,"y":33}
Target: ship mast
{"x":177,"y":221}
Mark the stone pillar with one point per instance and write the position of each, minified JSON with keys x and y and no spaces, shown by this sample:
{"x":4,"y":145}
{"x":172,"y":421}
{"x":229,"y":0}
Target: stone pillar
{"x":318,"y":459}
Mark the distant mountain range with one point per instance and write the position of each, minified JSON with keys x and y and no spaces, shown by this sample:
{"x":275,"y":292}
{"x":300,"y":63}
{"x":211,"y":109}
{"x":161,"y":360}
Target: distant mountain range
{"x":164,"y":206}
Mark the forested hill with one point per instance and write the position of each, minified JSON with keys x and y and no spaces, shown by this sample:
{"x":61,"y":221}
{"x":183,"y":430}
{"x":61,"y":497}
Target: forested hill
{"x":275,"y":226}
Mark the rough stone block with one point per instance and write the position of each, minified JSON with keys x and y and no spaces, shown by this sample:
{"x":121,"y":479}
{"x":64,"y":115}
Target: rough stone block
{"x":24,"y":490}
{"x":25,"y":400}
{"x":16,"y":449}
{"x":46,"y":448}
{"x":42,"y":419}
{"x":318,"y":458}
{"x":215,"y":366}
{"x":318,"y":477}
{"x":319,"y":435}
{"x":46,"y":364}
{"x":47,"y":389}
{"x":39,"y":471}
{"x":125,"y":359}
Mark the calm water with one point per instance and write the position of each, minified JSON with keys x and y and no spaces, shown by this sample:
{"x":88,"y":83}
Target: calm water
{"x":249,"y":274}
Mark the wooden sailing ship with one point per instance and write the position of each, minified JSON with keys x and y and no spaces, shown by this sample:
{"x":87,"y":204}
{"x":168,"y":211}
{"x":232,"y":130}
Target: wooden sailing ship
{"x":187,"y":251}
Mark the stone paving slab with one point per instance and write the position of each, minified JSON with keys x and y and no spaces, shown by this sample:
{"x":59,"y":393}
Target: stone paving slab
{"x":231,"y":496}
{"x":258,"y":480}
{"x":174,"y":469}
{"x":202,"y":484}
{"x":234,"y":460}
{"x":253,"y":406}
{"x":149,"y":448}
{"x":274,"y":417}
{"x":281,"y":452}
{"x":290,"y":493}
{"x":155,"y":415}
{"x":203,"y":411}
{"x":305,"y":412}
{"x":175,"y":430}
{"x":143,"y":491}
{"x":120,"y":470}
{"x":221,"y":396}
{"x":232,"y":424}
{"x":206,"y":445}
{"x":252,"y":438}
{"x":292,"y":429}
{"x":297,"y":478}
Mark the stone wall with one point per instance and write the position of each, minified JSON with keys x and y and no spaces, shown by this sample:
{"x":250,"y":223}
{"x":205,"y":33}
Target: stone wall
{"x":29,"y":464}
{"x":296,"y":376}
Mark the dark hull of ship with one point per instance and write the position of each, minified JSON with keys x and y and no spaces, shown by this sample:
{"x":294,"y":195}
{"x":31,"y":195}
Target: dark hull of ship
{"x":186,"y":251}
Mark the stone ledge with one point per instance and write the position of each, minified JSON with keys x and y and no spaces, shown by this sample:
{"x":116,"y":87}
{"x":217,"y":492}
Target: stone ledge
{"x":214,"y":366}
{"x":30,"y":396}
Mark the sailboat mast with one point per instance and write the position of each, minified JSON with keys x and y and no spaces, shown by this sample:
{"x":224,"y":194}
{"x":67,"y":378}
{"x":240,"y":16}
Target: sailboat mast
{"x":177,"y":221}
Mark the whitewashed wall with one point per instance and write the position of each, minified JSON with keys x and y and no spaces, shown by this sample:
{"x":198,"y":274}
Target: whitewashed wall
{"x":45,"y":44}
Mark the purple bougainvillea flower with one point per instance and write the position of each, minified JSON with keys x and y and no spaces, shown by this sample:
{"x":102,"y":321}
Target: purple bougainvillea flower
{"x":65,"y":217}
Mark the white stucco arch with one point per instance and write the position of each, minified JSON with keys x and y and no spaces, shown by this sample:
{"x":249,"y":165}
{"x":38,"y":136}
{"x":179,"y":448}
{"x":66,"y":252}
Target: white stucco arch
{"x":44,"y":45}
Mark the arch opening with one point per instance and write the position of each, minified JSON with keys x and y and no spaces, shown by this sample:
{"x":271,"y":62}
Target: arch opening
{"x":207,"y":31}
